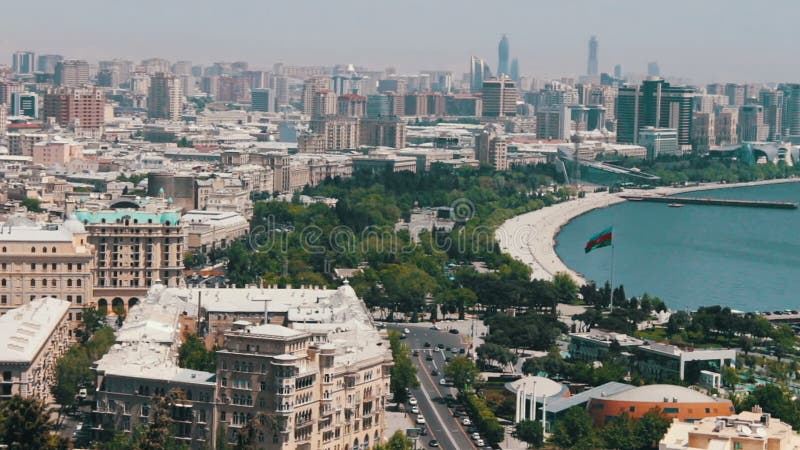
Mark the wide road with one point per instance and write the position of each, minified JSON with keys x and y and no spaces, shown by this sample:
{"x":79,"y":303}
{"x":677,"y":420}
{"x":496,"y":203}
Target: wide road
{"x":440,"y":422}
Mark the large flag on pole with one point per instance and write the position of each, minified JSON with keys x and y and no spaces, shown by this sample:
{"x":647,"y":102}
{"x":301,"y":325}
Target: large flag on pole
{"x":599,"y":240}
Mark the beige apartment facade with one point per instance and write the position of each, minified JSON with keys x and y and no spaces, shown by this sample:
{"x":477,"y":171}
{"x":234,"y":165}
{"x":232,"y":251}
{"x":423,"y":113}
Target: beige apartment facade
{"x":50,"y":260}
{"x":133,"y":250}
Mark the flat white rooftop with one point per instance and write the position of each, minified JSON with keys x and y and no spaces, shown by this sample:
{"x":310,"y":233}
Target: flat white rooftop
{"x":24,"y":330}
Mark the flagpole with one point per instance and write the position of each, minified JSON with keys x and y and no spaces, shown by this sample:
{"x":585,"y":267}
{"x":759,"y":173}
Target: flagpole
{"x":611,"y":278}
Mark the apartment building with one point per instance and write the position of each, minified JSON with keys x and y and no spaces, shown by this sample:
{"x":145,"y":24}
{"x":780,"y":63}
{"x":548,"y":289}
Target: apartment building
{"x":33,"y":337}
{"x":207,"y":230}
{"x":133,"y":250}
{"x":307,"y":365}
{"x":51,"y":260}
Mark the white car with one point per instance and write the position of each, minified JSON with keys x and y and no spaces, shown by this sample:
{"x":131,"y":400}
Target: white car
{"x":475,"y":436}
{"x":443,"y":382}
{"x":406,"y":331}
{"x":466,"y":422}
{"x":420,"y":419}
{"x":412,"y":401}
{"x":479,"y":442}
{"x":415,"y":409}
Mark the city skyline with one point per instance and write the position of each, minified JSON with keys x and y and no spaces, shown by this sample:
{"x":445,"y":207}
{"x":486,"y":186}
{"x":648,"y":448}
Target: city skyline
{"x":262,"y":35}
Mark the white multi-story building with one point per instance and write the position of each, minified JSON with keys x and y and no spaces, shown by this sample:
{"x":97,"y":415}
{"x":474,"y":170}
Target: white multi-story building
{"x":33,"y":337}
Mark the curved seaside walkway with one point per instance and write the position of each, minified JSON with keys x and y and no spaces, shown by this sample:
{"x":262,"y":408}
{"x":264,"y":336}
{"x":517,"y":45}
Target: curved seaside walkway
{"x":531,"y":237}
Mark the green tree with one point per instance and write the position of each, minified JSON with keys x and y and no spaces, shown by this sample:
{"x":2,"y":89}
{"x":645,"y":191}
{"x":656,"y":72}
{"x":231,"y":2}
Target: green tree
{"x":530,"y":432}
{"x":651,"y":428}
{"x":620,"y":434}
{"x":25,"y":424}
{"x":32,"y":205}
{"x":574,"y":430}
{"x":566,"y":288}
{"x":775,"y":400}
{"x":158,"y":435}
{"x":193,"y":354}
{"x":495,"y":355}
{"x":398,"y":441}
{"x":404,"y":374}
{"x":462,"y":371}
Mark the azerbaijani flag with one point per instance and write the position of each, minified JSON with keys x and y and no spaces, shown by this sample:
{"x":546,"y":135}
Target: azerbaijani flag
{"x":599,"y":240}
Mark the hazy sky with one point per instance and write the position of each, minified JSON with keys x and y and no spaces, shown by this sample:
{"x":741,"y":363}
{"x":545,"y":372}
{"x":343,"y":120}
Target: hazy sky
{"x":732,"y":40}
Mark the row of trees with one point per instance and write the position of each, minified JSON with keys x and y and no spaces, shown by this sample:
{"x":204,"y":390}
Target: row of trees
{"x":575,"y":431}
{"x":674,"y":169}
{"x":404,"y":374}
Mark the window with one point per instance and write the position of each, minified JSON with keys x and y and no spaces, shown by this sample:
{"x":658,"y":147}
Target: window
{"x":79,"y":299}
{"x":69,"y":298}
{"x":5,"y":250}
{"x":632,"y":409}
{"x":33,"y":283}
{"x":670,"y":410}
{"x":44,"y":282}
{"x":4,"y":282}
{"x":33,"y":266}
{"x":69,"y":266}
{"x":69,"y":282}
{"x":33,"y":249}
{"x":3,"y":299}
{"x":44,"y":249}
{"x":53,"y":250}
{"x":78,"y":282}
{"x":53,"y":266}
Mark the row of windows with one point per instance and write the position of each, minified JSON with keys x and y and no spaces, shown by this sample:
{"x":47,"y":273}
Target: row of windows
{"x":53,"y":266}
{"x":78,"y":300}
{"x":44,"y":282}
{"x":33,"y":250}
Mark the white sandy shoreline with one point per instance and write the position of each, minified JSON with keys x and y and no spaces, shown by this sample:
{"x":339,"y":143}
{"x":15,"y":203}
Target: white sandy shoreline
{"x":531,"y":237}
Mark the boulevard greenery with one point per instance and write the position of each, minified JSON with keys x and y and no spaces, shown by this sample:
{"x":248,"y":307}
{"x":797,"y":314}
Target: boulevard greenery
{"x":404,"y":374}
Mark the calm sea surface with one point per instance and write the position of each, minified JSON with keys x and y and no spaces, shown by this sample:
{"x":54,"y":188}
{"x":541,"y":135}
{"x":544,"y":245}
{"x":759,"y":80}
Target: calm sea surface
{"x":745,"y":258}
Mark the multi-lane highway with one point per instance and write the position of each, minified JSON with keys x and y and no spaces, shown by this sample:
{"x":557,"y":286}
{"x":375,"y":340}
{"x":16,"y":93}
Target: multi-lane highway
{"x":440,"y":423}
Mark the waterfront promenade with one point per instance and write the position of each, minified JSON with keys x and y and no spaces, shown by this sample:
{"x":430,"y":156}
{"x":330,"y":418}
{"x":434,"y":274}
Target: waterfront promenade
{"x":531,"y":237}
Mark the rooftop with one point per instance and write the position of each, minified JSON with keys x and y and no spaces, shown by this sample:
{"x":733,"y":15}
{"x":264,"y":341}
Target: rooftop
{"x":24,"y":330}
{"x":667,"y":393}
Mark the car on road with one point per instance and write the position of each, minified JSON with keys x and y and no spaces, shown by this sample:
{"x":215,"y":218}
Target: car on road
{"x":406,"y":331}
{"x":454,"y":350}
{"x":466,"y":422}
{"x":428,"y":357}
{"x":434,"y":372}
{"x":82,"y":394}
{"x":479,"y":442}
{"x":475,"y":436}
{"x":433,"y":443}
{"x":423,"y":431}
{"x":412,"y":401}
{"x":420,"y":419}
{"x":414,"y":409}
{"x":440,"y":346}
{"x":415,"y":353}
{"x":427,"y":344}
{"x":453,"y":330}
{"x":443,"y":382}
{"x":435,"y":327}
{"x":462,"y":350}
{"x":447,"y":359}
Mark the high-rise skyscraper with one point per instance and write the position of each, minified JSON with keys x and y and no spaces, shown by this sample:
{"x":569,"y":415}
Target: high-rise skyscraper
{"x":499,"y":97}
{"x":653,"y":70}
{"x":752,"y":126}
{"x":47,"y":63}
{"x":791,"y":109}
{"x":654,"y":104}
{"x":311,"y":89}
{"x":165,"y":99}
{"x":503,"y":57}
{"x":618,"y":71}
{"x":72,"y":73}
{"x":477,"y":73}
{"x":263,"y":100}
{"x":378,"y":106}
{"x":773,"y":103}
{"x":735,"y":93}
{"x":491,"y":149}
{"x":25,"y":104}
{"x":23,"y":63}
{"x":514,"y":70}
{"x":591,"y":65}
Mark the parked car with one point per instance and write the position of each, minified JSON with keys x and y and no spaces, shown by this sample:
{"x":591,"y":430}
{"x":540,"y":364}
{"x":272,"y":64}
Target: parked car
{"x":443,"y":382}
{"x":415,"y":409}
{"x":479,"y":442}
{"x":434,"y":372}
{"x":420,"y":419}
{"x":433,"y":443}
{"x":453,"y":330}
{"x":475,"y":436}
{"x":466,"y":422}
{"x":412,"y":401}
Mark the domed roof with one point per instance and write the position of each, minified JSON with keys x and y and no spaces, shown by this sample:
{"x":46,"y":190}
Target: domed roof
{"x":544,"y":387}
{"x":656,"y":393}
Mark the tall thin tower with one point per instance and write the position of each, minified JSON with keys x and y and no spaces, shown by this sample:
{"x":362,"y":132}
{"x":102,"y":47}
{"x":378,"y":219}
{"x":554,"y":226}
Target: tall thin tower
{"x":502,"y":57}
{"x":591,"y":65}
